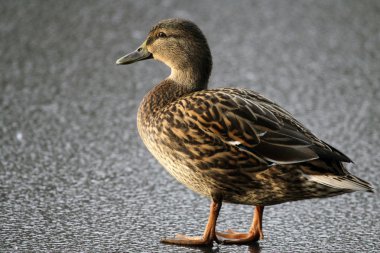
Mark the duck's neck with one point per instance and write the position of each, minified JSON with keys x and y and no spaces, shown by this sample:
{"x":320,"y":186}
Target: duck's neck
{"x":193,"y":70}
{"x":194,"y":78}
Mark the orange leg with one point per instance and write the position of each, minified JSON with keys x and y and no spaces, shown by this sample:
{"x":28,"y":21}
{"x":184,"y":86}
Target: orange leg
{"x":208,"y":236}
{"x":254,"y":234}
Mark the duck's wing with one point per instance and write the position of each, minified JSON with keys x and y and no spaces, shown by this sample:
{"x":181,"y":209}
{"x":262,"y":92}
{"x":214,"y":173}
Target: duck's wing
{"x":250,"y":122}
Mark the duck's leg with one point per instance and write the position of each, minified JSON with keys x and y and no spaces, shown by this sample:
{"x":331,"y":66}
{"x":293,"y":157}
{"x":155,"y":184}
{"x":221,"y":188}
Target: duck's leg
{"x":208,"y":235}
{"x":254,"y":234}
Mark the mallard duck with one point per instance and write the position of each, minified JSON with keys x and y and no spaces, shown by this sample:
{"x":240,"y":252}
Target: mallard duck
{"x":230,"y":145}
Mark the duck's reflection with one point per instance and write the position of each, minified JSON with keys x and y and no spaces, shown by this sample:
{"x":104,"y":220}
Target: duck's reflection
{"x":253,"y":248}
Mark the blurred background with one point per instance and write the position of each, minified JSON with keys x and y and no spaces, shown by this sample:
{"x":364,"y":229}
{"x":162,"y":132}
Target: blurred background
{"x":74,"y":174}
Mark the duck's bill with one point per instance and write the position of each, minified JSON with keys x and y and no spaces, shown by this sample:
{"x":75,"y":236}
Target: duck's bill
{"x":137,"y":55}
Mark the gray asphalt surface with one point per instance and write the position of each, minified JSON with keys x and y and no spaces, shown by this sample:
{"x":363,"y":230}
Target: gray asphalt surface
{"x":74,"y":175}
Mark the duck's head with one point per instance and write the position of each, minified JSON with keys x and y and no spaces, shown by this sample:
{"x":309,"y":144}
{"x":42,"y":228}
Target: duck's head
{"x":181,"y":45}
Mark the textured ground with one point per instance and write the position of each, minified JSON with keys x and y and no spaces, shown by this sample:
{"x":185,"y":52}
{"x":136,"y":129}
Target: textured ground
{"x":74,"y":175}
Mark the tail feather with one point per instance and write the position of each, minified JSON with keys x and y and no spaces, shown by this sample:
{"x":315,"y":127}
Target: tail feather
{"x":348,"y":182}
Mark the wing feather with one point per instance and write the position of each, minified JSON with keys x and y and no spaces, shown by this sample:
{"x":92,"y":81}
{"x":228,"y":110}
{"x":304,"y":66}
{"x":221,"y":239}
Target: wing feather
{"x":255,"y":124}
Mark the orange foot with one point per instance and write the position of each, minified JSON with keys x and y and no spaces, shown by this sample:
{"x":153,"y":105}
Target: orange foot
{"x":232,"y":237}
{"x":208,"y":236}
{"x":189,"y":240}
{"x":254,"y":234}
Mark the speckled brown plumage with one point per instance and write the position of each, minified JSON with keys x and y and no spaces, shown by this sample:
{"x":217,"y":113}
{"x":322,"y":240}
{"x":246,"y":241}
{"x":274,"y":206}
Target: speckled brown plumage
{"x":231,"y":145}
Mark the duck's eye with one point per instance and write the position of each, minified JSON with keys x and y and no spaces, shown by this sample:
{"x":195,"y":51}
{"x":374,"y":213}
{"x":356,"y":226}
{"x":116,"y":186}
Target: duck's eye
{"x":161,"y":35}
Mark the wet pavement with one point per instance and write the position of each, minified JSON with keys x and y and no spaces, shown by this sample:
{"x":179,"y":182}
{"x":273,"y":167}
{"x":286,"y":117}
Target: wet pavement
{"x":74,"y":175}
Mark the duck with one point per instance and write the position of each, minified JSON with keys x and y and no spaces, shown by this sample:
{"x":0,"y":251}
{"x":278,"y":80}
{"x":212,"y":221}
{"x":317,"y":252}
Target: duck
{"x":230,"y":145}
